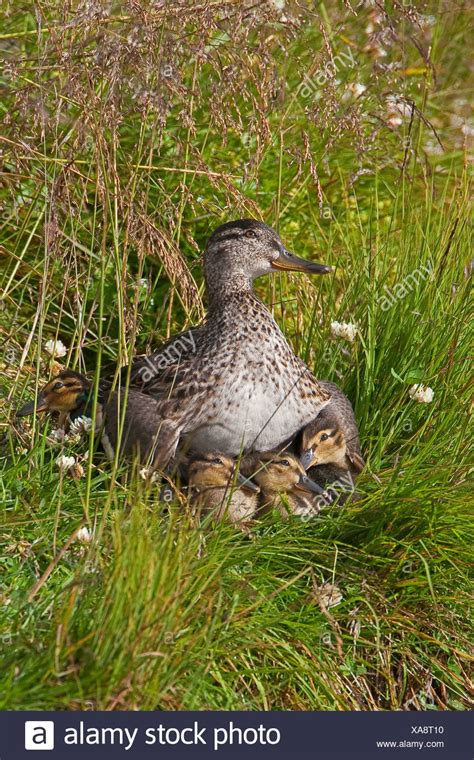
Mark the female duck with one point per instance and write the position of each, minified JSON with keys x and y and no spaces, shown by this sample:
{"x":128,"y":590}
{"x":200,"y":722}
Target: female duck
{"x":239,"y":387}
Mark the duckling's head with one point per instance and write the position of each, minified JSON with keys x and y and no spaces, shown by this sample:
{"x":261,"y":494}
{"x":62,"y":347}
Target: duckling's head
{"x":247,"y":249}
{"x":323,"y":442}
{"x":215,"y":470}
{"x":279,"y":473}
{"x":64,"y":393}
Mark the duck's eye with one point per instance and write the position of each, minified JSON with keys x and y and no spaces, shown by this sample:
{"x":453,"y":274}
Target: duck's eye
{"x":284,"y":462}
{"x":217,"y":461}
{"x":250,"y":234}
{"x":324,"y":437}
{"x":57,"y":386}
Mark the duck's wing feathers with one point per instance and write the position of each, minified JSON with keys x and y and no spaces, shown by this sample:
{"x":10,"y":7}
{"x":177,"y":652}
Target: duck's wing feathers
{"x":155,"y":373}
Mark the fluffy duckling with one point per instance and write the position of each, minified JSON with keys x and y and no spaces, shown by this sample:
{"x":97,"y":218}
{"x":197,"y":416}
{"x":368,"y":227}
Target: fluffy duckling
{"x":217,"y":487}
{"x":283,"y":483}
{"x":68,"y":394}
{"x":71,"y":395}
{"x":329,"y":446}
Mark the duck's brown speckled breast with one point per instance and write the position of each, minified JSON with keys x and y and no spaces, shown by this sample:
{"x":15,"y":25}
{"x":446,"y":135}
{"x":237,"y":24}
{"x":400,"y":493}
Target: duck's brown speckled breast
{"x":257,"y":392}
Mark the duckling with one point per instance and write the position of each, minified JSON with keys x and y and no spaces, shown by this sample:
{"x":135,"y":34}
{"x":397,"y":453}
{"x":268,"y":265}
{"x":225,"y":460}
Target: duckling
{"x":283,"y":483}
{"x":71,"y":395}
{"x":211,"y":478}
{"x":329,"y":445}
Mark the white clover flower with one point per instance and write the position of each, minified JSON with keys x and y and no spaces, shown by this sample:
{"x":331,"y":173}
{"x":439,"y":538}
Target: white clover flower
{"x":395,"y":121}
{"x":421,"y":393}
{"x":56,"y":437}
{"x":146,"y":473}
{"x":346,"y":330}
{"x":467,"y":130}
{"x":356,"y":88}
{"x":65,"y":463}
{"x":397,"y":110}
{"x":55,"y":348}
{"x":84,"y":536}
{"x":81,"y":426}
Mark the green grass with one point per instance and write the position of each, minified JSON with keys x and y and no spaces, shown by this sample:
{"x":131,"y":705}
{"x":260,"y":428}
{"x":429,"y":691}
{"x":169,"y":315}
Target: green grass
{"x":158,"y":611}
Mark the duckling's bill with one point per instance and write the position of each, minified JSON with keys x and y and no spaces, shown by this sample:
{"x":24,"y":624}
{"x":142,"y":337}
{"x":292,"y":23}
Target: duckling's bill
{"x":246,"y":484}
{"x":306,"y":458}
{"x":308,"y":485}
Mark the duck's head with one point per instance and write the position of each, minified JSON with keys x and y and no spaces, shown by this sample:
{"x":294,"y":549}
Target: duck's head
{"x":247,"y":249}
{"x":64,"y":393}
{"x":279,"y":473}
{"x":215,"y":470}
{"x":323,"y":442}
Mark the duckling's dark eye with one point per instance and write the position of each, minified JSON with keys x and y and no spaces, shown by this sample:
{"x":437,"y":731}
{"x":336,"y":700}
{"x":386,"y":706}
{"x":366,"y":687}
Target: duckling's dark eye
{"x":250,"y":234}
{"x":216,"y":461}
{"x":284,"y":462}
{"x":324,"y":437}
{"x":57,"y":386}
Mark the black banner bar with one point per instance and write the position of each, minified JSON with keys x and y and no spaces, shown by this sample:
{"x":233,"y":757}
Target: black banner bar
{"x":175,"y":735}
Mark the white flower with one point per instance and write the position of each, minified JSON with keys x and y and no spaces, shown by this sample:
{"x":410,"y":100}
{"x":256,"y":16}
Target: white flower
{"x":421,"y":393}
{"x":397,"y":110}
{"x":84,"y":536}
{"x":467,"y":130}
{"x":395,"y":121}
{"x":55,"y":348}
{"x":357,"y":88}
{"x":146,"y":473}
{"x":65,"y":463}
{"x":346,"y":330}
{"x":81,"y":426}
{"x":56,"y":437}
{"x":353,"y":90}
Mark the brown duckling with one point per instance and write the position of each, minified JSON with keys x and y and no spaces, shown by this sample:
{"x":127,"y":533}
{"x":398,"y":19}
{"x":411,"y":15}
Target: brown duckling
{"x":71,"y":394}
{"x":329,"y":446}
{"x":216,"y":487}
{"x":283,"y":483}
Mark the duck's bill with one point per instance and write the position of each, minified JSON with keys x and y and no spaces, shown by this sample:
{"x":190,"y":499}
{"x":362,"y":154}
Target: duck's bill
{"x":308,"y":485}
{"x":29,"y":407}
{"x":246,"y":484}
{"x":292,"y":263}
{"x":307,"y":459}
